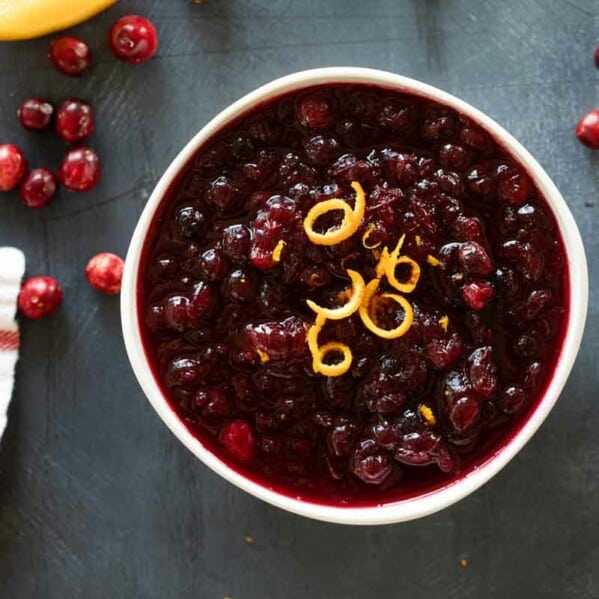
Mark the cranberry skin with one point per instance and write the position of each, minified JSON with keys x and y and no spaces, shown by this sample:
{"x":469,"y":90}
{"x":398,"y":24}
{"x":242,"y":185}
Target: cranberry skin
{"x":587,"y":130}
{"x":75,"y":121}
{"x":105,"y":272}
{"x":238,"y":440}
{"x":133,"y":39}
{"x":38,"y":188}
{"x":314,"y":111}
{"x":35,"y":114}
{"x":70,"y":56}
{"x":80,"y":169}
{"x":39,"y":297}
{"x":13,"y":165}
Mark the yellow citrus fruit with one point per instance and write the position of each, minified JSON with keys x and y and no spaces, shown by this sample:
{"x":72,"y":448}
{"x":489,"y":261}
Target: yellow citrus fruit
{"x":24,"y":19}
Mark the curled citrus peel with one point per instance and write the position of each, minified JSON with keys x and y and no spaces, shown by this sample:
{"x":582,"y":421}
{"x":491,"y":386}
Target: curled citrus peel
{"x":366,"y":235}
{"x":319,"y":353}
{"x":433,"y":261}
{"x":352,"y":305}
{"x":368,"y":321}
{"x":389,"y":261}
{"x":350,"y":223}
{"x":276,"y":253}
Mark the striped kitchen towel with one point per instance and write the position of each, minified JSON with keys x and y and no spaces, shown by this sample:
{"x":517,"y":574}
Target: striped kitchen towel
{"x":12,"y":267}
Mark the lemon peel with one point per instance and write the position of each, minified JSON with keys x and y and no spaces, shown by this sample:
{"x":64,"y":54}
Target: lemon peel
{"x":350,"y":223}
{"x":352,"y":305}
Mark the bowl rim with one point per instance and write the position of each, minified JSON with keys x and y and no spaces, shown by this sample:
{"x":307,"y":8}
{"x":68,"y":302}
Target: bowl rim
{"x":420,"y":505}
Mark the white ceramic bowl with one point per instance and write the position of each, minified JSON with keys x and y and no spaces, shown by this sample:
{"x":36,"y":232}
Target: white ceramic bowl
{"x":421,"y":505}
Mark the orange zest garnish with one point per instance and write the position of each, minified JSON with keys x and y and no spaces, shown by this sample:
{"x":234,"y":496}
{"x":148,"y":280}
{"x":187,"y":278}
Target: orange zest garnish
{"x":276,"y":253}
{"x":366,"y":235}
{"x":433,"y":261}
{"x":409,"y":285}
{"x":352,"y":218}
{"x":418,"y":240}
{"x":428,"y":415}
{"x":368,"y":321}
{"x":319,"y":353}
{"x":264,"y":357}
{"x":352,"y":305}
{"x":444,"y":322}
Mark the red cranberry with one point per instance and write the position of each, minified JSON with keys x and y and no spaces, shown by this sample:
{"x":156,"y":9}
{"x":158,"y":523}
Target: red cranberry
{"x":371,"y":465}
{"x":35,"y":114}
{"x":38,"y":188}
{"x":70,"y":56}
{"x":514,"y":186}
{"x":13,"y":165}
{"x":587,"y":129}
{"x":133,"y":39}
{"x":39,"y":297}
{"x":443,"y":353}
{"x":453,"y":157}
{"x":238,"y":440}
{"x":474,"y":259}
{"x":321,"y":150}
{"x":512,"y":399}
{"x":213,"y":264}
{"x":80,"y":169}
{"x":190,"y":221}
{"x":225,"y":193}
{"x":395,"y":115}
{"x":236,"y":243}
{"x":314,"y":110}
{"x":241,"y":286}
{"x":482,"y":371}
{"x":340,"y":437}
{"x":477,"y":293}
{"x":75,"y":121}
{"x":105,"y":272}
{"x":418,"y":448}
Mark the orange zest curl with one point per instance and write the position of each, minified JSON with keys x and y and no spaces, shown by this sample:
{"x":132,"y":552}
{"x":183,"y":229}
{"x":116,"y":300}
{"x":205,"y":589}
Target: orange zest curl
{"x":365,"y":237}
{"x":276,"y":254}
{"x":319,"y":353}
{"x":350,"y":223}
{"x":433,"y":261}
{"x":352,"y":305}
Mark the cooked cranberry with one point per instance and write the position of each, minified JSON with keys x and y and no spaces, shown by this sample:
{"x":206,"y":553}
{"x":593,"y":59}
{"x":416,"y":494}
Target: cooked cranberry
{"x":176,"y":313}
{"x":292,"y":171}
{"x":190,"y":221}
{"x":279,"y":340}
{"x":80,"y":170}
{"x":35,"y":114}
{"x":340,"y":437}
{"x":454,"y":157}
{"x":439,"y":123}
{"x":236,"y":243}
{"x":39,"y":297}
{"x":238,"y":440}
{"x":527,"y":259}
{"x":369,"y":464}
{"x":38,"y":188}
{"x":418,"y":448}
{"x":13,"y":166}
{"x":514,"y":186}
{"x":474,"y":259}
{"x":477,"y":293}
{"x":133,"y":39}
{"x":240,"y":286}
{"x":70,"y":56}
{"x":482,"y":371}
{"x":395,"y":116}
{"x":481,"y":179}
{"x":321,"y":150}
{"x":75,"y":121}
{"x":474,"y":137}
{"x":213,"y":264}
{"x":225,"y":194}
{"x":349,"y":168}
{"x":401,"y":168}
{"x":105,"y":272}
{"x":463,"y":412}
{"x":536,"y":301}
{"x":444,"y":353}
{"x":314,"y":111}
{"x":587,"y":129}
{"x":512,"y":399}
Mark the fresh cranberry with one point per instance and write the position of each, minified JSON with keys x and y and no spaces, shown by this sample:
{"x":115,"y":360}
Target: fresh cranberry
{"x":13,"y":166}
{"x":39,"y":297}
{"x":35,"y":114}
{"x":587,"y":129}
{"x":314,"y":110}
{"x":133,"y":39}
{"x":38,"y":188}
{"x":105,"y":272}
{"x":80,"y":169}
{"x":70,"y":56}
{"x":477,"y":293}
{"x":75,"y":121}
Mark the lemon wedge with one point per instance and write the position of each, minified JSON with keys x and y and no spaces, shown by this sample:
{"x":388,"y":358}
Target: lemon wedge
{"x":24,"y":19}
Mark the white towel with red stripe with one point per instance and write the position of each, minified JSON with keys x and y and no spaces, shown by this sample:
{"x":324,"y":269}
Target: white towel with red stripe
{"x":12,"y":267}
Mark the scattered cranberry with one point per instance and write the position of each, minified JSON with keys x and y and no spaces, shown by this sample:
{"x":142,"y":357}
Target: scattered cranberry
{"x":70,"y":56}
{"x":35,"y":114}
{"x":133,"y":39}
{"x":105,"y":272}
{"x":238,"y":439}
{"x":38,"y":188}
{"x":587,"y":130}
{"x":75,"y":121}
{"x":13,"y":165}
{"x":39,"y":297}
{"x":80,"y":169}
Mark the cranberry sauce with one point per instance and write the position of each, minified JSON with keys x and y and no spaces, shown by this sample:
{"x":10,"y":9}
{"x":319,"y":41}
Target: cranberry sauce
{"x":225,"y":319}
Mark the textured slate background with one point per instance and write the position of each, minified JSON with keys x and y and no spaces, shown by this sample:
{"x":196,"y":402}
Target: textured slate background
{"x":97,"y":499}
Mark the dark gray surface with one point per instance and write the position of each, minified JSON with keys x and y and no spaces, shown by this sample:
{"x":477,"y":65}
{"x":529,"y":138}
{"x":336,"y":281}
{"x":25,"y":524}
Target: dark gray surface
{"x":98,"y":499}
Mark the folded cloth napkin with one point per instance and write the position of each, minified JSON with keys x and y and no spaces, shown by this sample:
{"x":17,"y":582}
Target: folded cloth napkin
{"x":12,"y":267}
